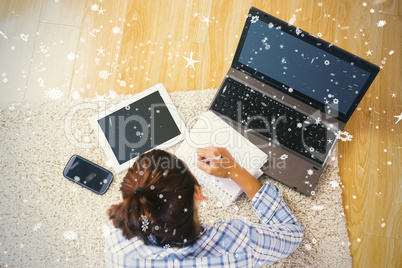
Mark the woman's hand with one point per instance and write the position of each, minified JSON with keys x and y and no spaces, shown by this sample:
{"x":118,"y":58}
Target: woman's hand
{"x":219,"y":167}
{"x":226,"y":167}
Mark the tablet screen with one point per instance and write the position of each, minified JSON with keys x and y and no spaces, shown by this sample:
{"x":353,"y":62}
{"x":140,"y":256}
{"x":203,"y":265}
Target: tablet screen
{"x":138,"y":127}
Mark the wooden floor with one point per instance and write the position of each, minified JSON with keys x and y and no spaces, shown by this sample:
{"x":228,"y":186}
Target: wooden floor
{"x":80,"y":48}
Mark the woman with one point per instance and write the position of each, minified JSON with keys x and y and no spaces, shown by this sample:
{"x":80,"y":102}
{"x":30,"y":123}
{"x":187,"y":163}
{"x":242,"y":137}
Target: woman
{"x":157,"y":222}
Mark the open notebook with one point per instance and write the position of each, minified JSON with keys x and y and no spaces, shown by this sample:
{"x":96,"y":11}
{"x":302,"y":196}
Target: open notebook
{"x":211,"y":130}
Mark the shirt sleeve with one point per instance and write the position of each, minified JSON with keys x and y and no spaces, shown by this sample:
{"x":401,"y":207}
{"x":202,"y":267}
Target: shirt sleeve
{"x":279,"y":233}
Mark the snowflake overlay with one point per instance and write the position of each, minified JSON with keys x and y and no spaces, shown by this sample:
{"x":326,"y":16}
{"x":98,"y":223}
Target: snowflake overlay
{"x":145,"y":223}
{"x":104,"y":74}
{"x":54,"y":93}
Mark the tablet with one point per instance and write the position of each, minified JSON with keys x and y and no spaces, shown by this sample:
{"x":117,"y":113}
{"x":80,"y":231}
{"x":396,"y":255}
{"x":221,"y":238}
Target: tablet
{"x":147,"y":120}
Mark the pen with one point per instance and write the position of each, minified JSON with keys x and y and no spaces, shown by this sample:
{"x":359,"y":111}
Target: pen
{"x":211,"y":159}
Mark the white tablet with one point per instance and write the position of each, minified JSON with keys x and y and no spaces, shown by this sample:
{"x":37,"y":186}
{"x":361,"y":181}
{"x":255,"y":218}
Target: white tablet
{"x":147,"y":120}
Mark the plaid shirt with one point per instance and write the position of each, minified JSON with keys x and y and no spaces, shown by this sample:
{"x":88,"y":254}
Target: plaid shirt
{"x":235,"y":243}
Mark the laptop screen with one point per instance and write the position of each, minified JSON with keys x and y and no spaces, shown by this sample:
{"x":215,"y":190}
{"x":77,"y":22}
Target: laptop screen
{"x":303,"y":66}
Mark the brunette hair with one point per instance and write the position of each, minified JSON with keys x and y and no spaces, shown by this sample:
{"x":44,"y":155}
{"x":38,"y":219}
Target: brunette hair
{"x":158,"y":201}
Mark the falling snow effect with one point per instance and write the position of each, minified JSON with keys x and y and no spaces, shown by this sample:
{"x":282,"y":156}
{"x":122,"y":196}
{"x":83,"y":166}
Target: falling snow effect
{"x":399,"y":118}
{"x":343,"y":136}
{"x":37,"y":226}
{"x":3,"y":34}
{"x":104,"y":74}
{"x":70,"y":235}
{"x":318,"y":207}
{"x":24,"y":37}
{"x":334,"y":184}
{"x":144,"y":223}
{"x":190,"y":61}
{"x":254,"y":19}
{"x":54,"y":93}
{"x":106,"y":230}
{"x":381,"y":23}
{"x":265,"y":42}
{"x":116,"y":30}
{"x":292,"y":19}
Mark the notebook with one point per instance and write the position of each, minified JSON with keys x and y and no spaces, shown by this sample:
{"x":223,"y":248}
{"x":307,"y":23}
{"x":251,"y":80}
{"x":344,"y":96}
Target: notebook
{"x":211,"y":130}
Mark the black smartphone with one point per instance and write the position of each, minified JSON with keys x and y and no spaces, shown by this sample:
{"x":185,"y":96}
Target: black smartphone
{"x":88,"y":174}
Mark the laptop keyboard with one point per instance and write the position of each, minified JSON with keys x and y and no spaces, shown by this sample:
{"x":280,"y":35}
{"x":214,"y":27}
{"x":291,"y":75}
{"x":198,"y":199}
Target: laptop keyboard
{"x":273,"y":120}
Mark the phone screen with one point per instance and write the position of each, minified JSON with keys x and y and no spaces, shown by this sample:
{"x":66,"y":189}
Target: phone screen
{"x":88,"y":174}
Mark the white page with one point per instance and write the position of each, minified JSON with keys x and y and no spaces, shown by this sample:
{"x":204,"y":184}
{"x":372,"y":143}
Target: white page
{"x":211,"y":130}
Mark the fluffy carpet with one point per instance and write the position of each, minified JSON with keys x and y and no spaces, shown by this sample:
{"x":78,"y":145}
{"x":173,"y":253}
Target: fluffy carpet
{"x":48,"y":221}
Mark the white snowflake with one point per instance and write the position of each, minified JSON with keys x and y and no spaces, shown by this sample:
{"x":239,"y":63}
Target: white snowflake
{"x":399,"y":118}
{"x":41,"y":82}
{"x":191,"y":61}
{"x":3,"y":34}
{"x":145,"y":223}
{"x":43,"y":48}
{"x":381,"y":23}
{"x":310,"y":172}
{"x":369,"y":52}
{"x":70,"y":235}
{"x":71,"y":56}
{"x":94,"y":7}
{"x":343,"y":135}
{"x":24,"y":37}
{"x":106,"y":230}
{"x":292,"y":19}
{"x":206,"y":20}
{"x":254,"y":19}
{"x":37,"y":226}
{"x":54,"y":93}
{"x":112,"y":94}
{"x":76,"y":95}
{"x":265,"y":42}
{"x":104,"y":74}
{"x":116,"y":30}
{"x":317,"y":207}
{"x":334,"y":184}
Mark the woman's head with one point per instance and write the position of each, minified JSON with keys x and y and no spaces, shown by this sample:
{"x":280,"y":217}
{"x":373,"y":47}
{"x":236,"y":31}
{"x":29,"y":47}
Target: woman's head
{"x":158,"y":201}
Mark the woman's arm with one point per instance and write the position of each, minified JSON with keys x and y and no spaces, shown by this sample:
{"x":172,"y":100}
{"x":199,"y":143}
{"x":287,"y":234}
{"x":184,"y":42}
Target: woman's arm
{"x":279,"y":233}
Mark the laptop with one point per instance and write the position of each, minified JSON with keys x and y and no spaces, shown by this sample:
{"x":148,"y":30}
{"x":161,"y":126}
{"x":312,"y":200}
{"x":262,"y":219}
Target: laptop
{"x":291,"y":94}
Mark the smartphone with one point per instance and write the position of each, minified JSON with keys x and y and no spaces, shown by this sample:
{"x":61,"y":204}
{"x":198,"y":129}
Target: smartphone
{"x":88,"y":174}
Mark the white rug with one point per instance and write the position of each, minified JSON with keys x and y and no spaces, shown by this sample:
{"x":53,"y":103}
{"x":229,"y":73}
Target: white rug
{"x":47,"y":221}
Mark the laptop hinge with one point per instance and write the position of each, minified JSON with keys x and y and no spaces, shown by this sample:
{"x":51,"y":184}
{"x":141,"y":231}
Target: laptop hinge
{"x":248,"y":73}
